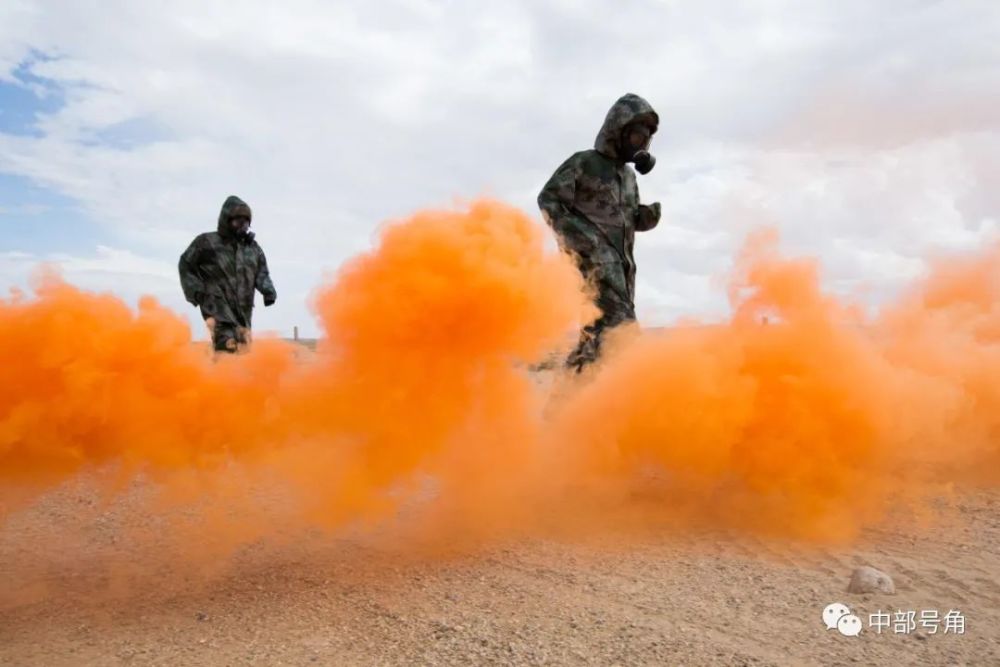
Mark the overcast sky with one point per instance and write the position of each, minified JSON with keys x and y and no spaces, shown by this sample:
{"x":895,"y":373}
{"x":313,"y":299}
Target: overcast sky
{"x":868,"y":132}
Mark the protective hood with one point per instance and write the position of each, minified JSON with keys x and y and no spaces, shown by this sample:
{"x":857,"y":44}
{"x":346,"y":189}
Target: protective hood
{"x":628,"y":108}
{"x":231,"y":207}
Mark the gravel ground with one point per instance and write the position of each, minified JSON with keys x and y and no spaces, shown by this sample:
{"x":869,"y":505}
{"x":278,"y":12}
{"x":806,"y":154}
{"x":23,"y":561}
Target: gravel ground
{"x":708,"y":599}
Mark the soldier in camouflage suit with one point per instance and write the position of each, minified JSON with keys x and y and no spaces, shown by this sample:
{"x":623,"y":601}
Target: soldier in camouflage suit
{"x":592,"y":204}
{"x":220,"y":271}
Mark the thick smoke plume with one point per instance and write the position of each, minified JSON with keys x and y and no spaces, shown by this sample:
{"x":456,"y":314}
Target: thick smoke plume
{"x":420,"y":408}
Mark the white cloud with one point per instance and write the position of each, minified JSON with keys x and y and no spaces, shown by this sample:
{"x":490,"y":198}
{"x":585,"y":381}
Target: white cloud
{"x":104,"y":270}
{"x":867,"y":132}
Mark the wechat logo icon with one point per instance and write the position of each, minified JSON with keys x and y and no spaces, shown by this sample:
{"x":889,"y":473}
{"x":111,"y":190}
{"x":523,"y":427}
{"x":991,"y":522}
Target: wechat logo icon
{"x":838,"y":616}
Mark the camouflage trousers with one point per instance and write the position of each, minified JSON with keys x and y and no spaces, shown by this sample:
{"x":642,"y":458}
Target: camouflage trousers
{"x":228,"y":337}
{"x":616,"y":306}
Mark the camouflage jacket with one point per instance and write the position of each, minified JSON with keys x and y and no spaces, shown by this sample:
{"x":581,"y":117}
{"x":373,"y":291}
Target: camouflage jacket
{"x":592,"y":202}
{"x":219,"y":272}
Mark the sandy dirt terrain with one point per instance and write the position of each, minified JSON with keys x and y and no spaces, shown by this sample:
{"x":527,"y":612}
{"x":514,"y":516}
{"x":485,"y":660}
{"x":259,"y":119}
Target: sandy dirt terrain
{"x":710,"y":599}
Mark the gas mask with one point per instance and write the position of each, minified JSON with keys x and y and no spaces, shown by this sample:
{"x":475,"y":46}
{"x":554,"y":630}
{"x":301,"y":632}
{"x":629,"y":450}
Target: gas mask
{"x":635,"y":146}
{"x":240,"y":226}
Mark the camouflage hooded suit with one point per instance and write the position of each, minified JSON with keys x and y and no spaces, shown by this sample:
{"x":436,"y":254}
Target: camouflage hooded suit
{"x":220,"y":271}
{"x":592,"y":204}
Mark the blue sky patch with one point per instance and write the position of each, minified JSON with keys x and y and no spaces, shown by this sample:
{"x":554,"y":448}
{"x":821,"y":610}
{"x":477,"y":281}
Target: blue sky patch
{"x":25,"y":99}
{"x":37,"y":220}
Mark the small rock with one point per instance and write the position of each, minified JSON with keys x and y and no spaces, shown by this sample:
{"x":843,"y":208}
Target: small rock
{"x":869,"y":580}
{"x":201,"y":616}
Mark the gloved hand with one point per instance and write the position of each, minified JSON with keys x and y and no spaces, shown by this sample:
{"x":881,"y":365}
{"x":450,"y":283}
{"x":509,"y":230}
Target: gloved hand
{"x":647,"y":217}
{"x":269,"y":300}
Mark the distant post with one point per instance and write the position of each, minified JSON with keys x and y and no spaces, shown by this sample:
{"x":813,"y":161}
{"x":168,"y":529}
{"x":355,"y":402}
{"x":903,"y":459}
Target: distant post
{"x":295,"y":333}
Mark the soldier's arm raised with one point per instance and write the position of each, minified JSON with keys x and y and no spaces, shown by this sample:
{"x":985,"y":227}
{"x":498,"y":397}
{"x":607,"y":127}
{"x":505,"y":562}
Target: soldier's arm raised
{"x":646,"y":217}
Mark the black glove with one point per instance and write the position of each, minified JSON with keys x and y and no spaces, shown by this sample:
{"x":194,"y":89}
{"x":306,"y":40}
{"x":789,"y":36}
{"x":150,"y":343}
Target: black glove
{"x":269,"y":299}
{"x":647,"y":217}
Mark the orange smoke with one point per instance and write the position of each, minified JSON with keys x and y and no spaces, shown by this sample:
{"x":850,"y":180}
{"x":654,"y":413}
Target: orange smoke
{"x":810,"y":425}
{"x":426,"y":342}
{"x":419,"y":402}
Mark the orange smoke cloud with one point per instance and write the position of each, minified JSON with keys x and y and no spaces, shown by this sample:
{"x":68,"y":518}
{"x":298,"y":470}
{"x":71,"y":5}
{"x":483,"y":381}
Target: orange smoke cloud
{"x":810,"y":425}
{"x":423,"y":338}
{"x":420,"y":399}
